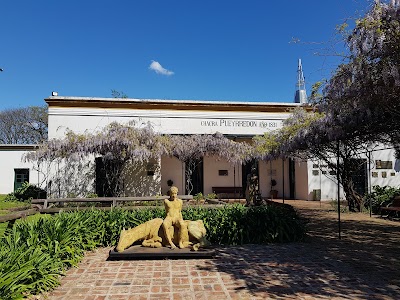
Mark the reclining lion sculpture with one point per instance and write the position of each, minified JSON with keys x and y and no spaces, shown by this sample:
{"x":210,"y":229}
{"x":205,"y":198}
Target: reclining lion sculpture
{"x":171,"y":231}
{"x":152,"y":234}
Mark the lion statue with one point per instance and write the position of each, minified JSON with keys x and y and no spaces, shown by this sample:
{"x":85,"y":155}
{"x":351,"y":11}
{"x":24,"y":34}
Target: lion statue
{"x":152,"y":234}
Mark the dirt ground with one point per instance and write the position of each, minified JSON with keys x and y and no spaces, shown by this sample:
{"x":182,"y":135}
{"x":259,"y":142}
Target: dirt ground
{"x":370,"y":244}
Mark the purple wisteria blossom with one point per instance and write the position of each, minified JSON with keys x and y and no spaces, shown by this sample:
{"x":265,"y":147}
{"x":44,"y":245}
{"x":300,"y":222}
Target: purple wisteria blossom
{"x":119,"y":145}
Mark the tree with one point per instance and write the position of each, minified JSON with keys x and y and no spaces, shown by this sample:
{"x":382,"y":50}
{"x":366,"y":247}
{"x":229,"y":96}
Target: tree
{"x":23,"y":125}
{"x":361,"y":101}
{"x":363,"y":95}
{"x":310,"y":135}
{"x":359,"y":105}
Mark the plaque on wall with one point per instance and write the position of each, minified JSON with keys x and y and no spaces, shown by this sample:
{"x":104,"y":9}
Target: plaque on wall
{"x":392,"y":174}
{"x":375,"y":174}
{"x":383,"y":164}
{"x":384,"y":174}
{"x":223,"y":172}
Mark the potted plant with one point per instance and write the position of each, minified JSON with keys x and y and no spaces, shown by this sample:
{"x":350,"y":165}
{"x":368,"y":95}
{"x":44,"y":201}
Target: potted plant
{"x":273,"y":193}
{"x":199,"y":198}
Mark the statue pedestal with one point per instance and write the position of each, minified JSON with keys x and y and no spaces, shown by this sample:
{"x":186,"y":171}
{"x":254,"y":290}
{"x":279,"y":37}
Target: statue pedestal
{"x":137,"y":252}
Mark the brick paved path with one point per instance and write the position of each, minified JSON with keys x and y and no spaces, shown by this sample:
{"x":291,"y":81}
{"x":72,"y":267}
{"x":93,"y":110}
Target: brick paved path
{"x":365,"y":264}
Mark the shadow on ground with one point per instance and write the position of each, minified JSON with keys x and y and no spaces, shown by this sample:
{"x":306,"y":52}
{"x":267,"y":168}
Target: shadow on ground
{"x":364,"y":264}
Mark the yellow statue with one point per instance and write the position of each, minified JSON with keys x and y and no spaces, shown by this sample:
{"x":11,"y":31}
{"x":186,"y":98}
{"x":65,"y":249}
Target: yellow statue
{"x":173,"y":207}
{"x":146,"y":232}
{"x":173,"y":230}
{"x":152,"y":235}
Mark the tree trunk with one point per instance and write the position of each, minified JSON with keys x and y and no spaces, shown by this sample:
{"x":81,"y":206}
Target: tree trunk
{"x":353,"y":198}
{"x":114,"y":170}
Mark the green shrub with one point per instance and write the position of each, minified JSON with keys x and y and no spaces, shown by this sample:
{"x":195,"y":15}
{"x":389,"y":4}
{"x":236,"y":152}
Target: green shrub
{"x":11,"y":198}
{"x":236,"y":224}
{"x":198,"y":197}
{"x":212,"y":196}
{"x":26,"y":192}
{"x":380,"y":196}
{"x":92,"y":195}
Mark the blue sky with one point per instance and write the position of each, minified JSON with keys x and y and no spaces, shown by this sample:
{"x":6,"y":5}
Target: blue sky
{"x":204,"y":50}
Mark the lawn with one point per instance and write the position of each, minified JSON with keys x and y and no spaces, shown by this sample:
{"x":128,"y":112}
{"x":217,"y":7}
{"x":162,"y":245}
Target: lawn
{"x":7,"y":207}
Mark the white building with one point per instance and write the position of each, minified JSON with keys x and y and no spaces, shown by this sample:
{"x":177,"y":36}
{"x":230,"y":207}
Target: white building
{"x":309,"y":180}
{"x":240,"y":120}
{"x":14,"y":171}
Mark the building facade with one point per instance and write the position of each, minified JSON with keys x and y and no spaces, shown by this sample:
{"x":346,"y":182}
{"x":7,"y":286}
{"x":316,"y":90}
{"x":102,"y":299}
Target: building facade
{"x":238,"y":120}
{"x":309,"y":180}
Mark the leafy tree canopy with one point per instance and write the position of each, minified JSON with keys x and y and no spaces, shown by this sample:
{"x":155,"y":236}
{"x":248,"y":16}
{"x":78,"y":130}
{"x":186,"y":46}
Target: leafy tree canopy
{"x":363,"y":96}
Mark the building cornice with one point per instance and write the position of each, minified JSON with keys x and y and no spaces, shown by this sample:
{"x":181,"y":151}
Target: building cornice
{"x":18,"y":147}
{"x":122,"y":103}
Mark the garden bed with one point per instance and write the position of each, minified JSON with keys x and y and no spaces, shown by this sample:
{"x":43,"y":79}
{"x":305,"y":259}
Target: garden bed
{"x":37,"y":251}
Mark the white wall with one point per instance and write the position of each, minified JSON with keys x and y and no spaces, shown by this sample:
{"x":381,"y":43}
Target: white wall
{"x":392,"y":175}
{"x":212,"y":178}
{"x":164,"y":121}
{"x":328,"y":184}
{"x":172,"y":169}
{"x":269,"y":170}
{"x":301,"y":180}
{"x":10,"y":160}
{"x":137,"y":182}
{"x":321,"y":179}
{"x":74,"y":178}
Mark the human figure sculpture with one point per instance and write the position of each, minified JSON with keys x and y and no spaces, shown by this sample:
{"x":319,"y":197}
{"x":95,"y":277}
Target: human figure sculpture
{"x":253,"y":195}
{"x":157,"y":232}
{"x":173,"y":208}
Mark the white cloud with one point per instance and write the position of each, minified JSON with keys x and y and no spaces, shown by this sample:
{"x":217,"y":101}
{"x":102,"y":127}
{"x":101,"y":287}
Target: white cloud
{"x":156,"y":67}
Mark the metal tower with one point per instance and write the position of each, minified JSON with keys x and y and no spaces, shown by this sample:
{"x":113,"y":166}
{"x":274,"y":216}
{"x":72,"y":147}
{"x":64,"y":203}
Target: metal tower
{"x":301,"y":94}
